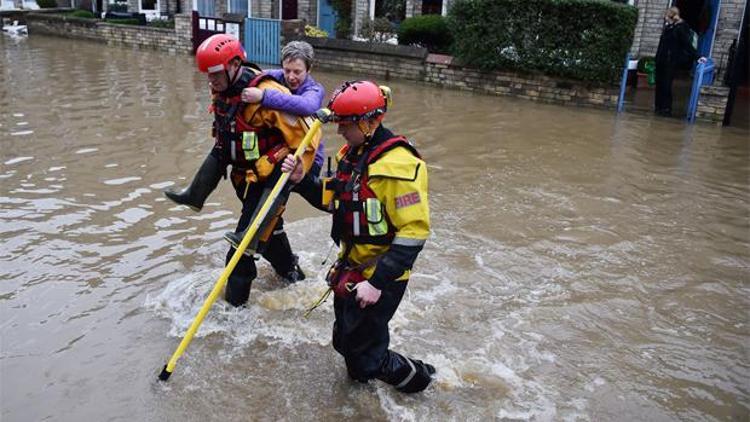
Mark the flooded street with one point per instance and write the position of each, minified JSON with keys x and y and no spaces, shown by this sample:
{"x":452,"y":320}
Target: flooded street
{"x":582,"y":265}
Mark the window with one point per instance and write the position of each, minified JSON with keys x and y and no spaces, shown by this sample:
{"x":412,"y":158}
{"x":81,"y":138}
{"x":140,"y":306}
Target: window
{"x":432,"y":7}
{"x":238,"y":6}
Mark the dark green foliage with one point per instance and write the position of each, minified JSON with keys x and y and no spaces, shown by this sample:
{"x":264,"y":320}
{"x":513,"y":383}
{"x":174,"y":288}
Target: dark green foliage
{"x":162,"y":23}
{"x":579,"y":39}
{"x":125,"y":21}
{"x":117,"y":7}
{"x":82,"y":14}
{"x":46,"y":4}
{"x":343,"y":9}
{"x":429,"y":31}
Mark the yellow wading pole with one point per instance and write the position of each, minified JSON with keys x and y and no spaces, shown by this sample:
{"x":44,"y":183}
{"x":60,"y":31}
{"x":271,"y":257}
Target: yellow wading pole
{"x":222,"y":281}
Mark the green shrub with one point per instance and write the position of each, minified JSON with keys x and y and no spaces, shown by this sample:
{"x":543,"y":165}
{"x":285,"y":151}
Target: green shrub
{"x":82,"y":14}
{"x":429,"y":31}
{"x":124,"y":21}
{"x":579,"y":39}
{"x":46,"y":4}
{"x":343,"y":25}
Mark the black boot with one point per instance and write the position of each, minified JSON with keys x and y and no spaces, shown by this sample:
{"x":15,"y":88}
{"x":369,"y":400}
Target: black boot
{"x":295,"y":274}
{"x":203,"y":184}
{"x":406,"y":374}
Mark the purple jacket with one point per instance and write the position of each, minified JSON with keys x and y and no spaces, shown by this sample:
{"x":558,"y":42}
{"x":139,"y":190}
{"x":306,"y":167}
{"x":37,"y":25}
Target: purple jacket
{"x":304,"y":101}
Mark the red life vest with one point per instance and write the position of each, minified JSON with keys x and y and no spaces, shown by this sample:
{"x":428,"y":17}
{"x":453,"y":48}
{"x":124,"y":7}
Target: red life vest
{"x":351,"y":217}
{"x":231,"y":130}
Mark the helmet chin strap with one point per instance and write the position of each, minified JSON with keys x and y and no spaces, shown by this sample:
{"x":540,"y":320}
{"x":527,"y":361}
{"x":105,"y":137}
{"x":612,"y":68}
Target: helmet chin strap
{"x":364,"y":127}
{"x":232,"y":80}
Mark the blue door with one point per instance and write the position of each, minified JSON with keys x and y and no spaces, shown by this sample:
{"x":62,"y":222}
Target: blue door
{"x":327,"y":17}
{"x":263,"y":41}
{"x":706,"y":41}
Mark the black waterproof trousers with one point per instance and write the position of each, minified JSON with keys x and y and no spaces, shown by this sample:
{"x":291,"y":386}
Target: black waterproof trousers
{"x":665,"y":73}
{"x":277,"y":251}
{"x":361,"y":337}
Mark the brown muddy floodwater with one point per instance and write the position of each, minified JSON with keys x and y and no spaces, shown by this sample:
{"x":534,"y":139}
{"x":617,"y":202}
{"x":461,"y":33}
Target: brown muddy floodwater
{"x":582,"y":266}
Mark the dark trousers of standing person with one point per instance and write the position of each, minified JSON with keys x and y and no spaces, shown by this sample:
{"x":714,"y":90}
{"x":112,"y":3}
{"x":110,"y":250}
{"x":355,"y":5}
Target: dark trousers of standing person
{"x":361,"y":337}
{"x":277,"y":250}
{"x":665,"y":73}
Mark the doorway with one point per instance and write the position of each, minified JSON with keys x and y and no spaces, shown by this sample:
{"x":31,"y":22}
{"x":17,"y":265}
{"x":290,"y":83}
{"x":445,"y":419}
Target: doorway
{"x":701,"y":16}
{"x":288,"y":9}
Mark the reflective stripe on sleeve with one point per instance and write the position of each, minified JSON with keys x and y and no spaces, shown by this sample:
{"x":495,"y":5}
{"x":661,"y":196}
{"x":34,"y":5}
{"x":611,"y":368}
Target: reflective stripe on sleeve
{"x":405,"y":241}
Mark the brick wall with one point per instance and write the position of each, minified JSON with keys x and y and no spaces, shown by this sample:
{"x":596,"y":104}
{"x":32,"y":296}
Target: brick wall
{"x":386,"y":61}
{"x":440,"y":71}
{"x":374,"y":59}
{"x":262,"y":9}
{"x":712,"y":103}
{"x":175,"y":40}
{"x":649,"y":26}
{"x":307,"y":10}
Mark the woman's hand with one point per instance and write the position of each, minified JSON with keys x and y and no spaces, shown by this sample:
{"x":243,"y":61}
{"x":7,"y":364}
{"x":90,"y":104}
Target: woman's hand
{"x":251,"y":95}
{"x":367,"y":294}
{"x":292,"y":165}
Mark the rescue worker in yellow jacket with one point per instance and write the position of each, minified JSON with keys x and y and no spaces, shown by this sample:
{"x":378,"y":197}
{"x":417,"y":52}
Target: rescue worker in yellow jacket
{"x":253,"y":140}
{"x":378,"y":198}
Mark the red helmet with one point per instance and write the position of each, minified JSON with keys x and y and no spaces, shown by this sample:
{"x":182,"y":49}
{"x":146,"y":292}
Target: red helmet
{"x":359,"y":100}
{"x":215,"y":53}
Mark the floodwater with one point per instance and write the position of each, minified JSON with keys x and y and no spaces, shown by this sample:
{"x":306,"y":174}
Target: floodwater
{"x":582,"y":266}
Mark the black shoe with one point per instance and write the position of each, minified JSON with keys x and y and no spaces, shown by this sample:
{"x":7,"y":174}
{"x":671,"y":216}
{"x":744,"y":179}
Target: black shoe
{"x":204,"y":182}
{"x":430,"y":369}
{"x":294,"y":275}
{"x":235,"y":239}
{"x":421,"y":378}
{"x":665,"y":112}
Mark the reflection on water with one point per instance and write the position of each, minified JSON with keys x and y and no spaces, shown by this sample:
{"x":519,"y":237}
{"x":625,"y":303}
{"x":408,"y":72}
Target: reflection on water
{"x":582,"y":265}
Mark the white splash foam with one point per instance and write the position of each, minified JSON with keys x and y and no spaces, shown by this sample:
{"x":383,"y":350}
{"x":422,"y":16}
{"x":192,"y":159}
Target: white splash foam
{"x":162,"y":185}
{"x":18,"y":160}
{"x":86,"y":150}
{"x":121,"y":181}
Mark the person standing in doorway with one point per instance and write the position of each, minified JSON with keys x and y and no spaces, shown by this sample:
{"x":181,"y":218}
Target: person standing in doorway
{"x":675,"y":52}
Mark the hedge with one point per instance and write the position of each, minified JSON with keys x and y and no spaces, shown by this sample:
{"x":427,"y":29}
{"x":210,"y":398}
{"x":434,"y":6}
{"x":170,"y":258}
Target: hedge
{"x":578,"y":39}
{"x":428,"y":31}
{"x":46,"y":4}
{"x":82,"y":14}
